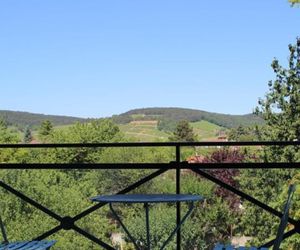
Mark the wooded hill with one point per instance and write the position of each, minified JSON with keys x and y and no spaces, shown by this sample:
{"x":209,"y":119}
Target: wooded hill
{"x":23,"y":119}
{"x":166,"y":115}
{"x":191,"y":115}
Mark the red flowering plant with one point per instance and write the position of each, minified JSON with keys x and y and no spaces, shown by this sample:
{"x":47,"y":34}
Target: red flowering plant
{"x":229,"y":176}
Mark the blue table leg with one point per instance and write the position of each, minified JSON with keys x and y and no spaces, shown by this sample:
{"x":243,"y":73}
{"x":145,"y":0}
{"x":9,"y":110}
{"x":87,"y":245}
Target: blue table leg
{"x":146,"y":205}
{"x":123,"y":226}
{"x":191,"y":206}
{"x":5,"y":240}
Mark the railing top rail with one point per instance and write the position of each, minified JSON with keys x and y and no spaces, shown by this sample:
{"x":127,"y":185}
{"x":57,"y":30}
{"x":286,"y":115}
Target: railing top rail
{"x":152,"y":144}
{"x":170,"y":165}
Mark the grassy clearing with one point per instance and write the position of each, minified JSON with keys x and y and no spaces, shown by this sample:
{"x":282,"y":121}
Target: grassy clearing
{"x":147,"y":130}
{"x":143,"y":131}
{"x":205,"y":130}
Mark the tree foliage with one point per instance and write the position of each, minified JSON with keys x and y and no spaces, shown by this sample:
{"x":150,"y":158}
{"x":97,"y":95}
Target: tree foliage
{"x":246,"y":133}
{"x":183,"y":132}
{"x":229,"y":176}
{"x":3,"y":123}
{"x":6,"y":135}
{"x":45,"y":130}
{"x":281,"y":106}
{"x":23,"y":119}
{"x":166,"y":125}
{"x":281,"y":110}
{"x":27,"y":135}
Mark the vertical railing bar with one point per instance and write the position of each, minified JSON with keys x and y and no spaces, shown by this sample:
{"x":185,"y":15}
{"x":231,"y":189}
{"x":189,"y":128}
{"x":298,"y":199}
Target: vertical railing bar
{"x":178,"y":212}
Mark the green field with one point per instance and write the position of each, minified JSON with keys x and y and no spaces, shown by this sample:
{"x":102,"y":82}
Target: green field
{"x":143,"y":131}
{"x":205,"y":130}
{"x":147,"y":131}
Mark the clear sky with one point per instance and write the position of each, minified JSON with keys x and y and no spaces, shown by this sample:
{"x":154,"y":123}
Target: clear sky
{"x":95,"y":58}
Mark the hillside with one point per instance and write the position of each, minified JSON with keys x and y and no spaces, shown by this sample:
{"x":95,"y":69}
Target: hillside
{"x":168,"y":116}
{"x":143,"y":131}
{"x":206,"y":130}
{"x":191,"y":115}
{"x":23,"y":119}
{"x":148,"y":130}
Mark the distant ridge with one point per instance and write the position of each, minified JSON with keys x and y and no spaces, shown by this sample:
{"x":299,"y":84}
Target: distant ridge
{"x":192,"y":115}
{"x":22,"y":119}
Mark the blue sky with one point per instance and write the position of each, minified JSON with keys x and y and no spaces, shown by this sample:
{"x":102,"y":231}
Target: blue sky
{"x":98,"y":58}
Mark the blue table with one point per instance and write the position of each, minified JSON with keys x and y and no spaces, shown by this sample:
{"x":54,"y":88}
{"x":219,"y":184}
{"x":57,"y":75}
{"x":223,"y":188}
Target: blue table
{"x":146,"y":199}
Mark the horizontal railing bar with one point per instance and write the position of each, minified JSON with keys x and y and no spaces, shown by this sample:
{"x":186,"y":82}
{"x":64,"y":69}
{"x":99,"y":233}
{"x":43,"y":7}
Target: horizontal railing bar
{"x":152,"y":144}
{"x":172,"y":165}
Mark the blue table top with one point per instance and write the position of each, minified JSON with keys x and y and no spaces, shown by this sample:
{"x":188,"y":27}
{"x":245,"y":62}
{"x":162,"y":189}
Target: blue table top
{"x":146,"y":198}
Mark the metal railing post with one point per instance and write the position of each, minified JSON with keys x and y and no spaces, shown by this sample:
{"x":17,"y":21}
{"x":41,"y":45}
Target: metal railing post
{"x":178,"y":212}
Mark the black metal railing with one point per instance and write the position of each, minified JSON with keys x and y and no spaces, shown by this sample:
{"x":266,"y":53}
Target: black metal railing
{"x":68,"y":222}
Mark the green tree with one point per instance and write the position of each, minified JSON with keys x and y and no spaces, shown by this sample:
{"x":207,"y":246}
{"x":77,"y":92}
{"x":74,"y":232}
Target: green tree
{"x":246,"y":133}
{"x":6,"y":136}
{"x":281,"y":110}
{"x":281,"y":106}
{"x":3,"y":123}
{"x":27,"y":135}
{"x":97,"y":131}
{"x":167,"y":125}
{"x":45,"y":130}
{"x":183,"y":132}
